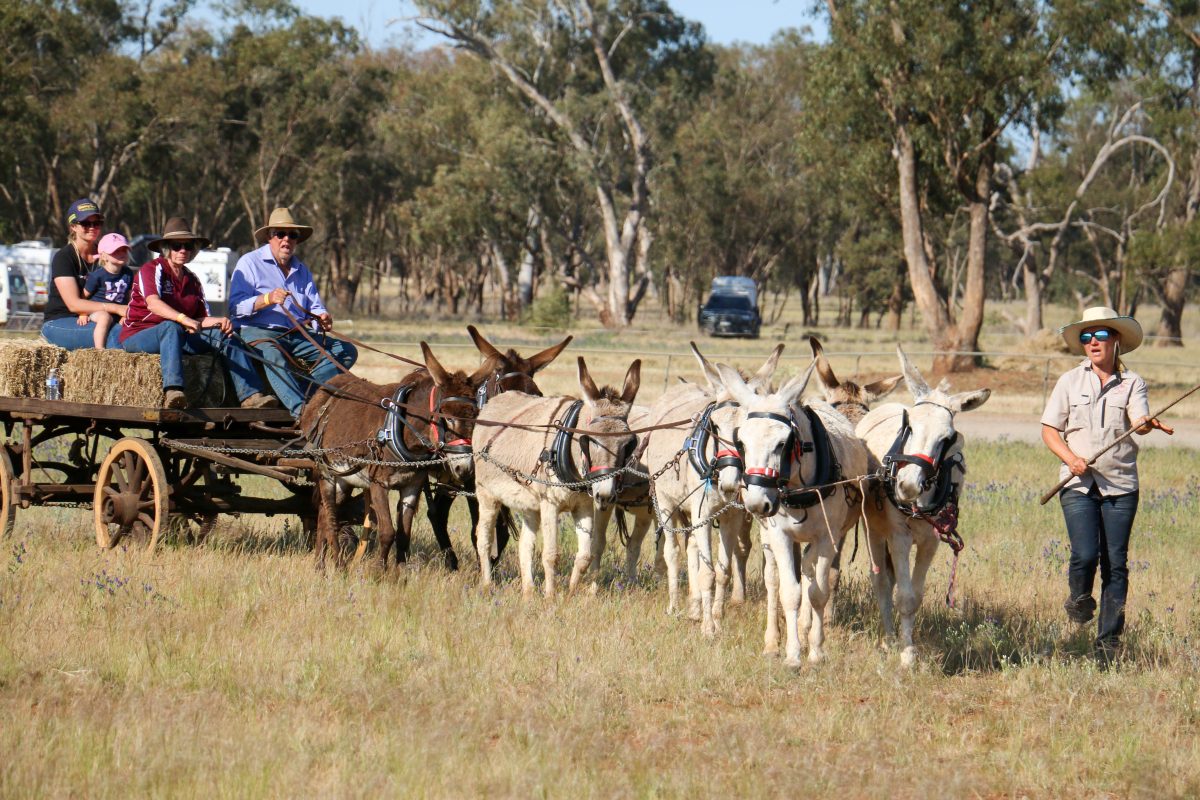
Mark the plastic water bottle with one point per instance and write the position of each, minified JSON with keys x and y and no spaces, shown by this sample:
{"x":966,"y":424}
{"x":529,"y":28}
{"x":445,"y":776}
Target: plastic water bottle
{"x":53,"y":385}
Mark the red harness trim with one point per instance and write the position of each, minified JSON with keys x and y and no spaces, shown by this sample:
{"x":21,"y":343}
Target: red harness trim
{"x":456,"y":442}
{"x":595,"y":469}
{"x":924,"y":458}
{"x":767,"y":471}
{"x":724,"y":453}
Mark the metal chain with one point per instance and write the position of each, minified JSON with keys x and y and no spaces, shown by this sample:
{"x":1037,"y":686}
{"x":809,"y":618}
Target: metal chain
{"x":518,"y":475}
{"x":307,"y":453}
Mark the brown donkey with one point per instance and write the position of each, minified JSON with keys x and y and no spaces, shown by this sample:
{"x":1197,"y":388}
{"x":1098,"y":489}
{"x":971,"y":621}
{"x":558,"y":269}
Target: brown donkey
{"x":376,"y":432}
{"x":518,"y":440}
{"x":499,"y":372}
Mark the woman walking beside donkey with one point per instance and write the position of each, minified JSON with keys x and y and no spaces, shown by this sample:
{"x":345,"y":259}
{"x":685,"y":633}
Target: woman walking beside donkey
{"x":1092,"y":406}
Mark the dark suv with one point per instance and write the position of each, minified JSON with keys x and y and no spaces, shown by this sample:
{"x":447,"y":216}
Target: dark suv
{"x":730,"y":315}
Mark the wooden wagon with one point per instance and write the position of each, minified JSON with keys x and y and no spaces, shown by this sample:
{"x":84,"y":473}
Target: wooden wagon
{"x":139,"y":467}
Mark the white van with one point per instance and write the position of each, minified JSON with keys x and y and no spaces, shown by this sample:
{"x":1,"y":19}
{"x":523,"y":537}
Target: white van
{"x":33,"y":258}
{"x":14,"y":297}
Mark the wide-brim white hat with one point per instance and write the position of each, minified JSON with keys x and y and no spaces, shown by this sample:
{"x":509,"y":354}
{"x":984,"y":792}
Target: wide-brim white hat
{"x":1129,"y":332}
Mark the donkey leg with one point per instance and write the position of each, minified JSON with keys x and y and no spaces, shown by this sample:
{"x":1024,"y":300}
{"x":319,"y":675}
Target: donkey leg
{"x":406,"y":510}
{"x":900,"y":545}
{"x":771,"y":583}
{"x":599,"y":542}
{"x":789,"y":591}
{"x":741,"y":555}
{"x":816,"y":568}
{"x":530,"y":523}
{"x":549,"y":526}
{"x":705,"y":575}
{"x":926,"y":550}
{"x":489,"y":507}
{"x":585,"y":522}
{"x":633,"y":549}
{"x":883,"y":582}
{"x":378,"y":497}
{"x":725,"y":560}
{"x":671,"y":559}
{"x":695,"y":601}
{"x":438,"y":513}
{"x":326,"y":499}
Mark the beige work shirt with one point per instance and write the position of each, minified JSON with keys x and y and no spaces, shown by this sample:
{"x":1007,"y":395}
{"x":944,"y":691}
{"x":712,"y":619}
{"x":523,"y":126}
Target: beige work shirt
{"x":1090,"y":417}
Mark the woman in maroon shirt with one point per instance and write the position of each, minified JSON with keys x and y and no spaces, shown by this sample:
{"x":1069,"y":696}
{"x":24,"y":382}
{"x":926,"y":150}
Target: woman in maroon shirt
{"x":168,"y":315}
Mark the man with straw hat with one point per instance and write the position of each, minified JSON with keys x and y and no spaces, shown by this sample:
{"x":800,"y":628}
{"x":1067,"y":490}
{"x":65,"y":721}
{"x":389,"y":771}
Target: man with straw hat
{"x":1091,"y":406}
{"x":268,"y":285}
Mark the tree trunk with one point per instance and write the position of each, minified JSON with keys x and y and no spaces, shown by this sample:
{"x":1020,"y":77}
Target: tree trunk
{"x":1174,"y":295}
{"x":933,"y":309}
{"x":971,"y":321}
{"x":895,"y":303}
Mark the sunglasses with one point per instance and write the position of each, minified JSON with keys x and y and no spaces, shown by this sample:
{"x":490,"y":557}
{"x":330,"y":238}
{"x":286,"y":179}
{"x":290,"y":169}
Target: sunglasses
{"x":91,"y":223}
{"x":177,"y":246}
{"x":293,"y":235}
{"x":1102,"y":335}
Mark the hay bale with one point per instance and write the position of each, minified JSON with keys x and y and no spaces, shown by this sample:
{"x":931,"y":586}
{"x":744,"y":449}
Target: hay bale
{"x":117,"y":378}
{"x":25,"y":365}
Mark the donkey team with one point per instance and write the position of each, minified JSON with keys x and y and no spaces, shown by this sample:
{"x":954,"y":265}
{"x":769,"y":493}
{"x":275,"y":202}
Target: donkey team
{"x":719,"y":454}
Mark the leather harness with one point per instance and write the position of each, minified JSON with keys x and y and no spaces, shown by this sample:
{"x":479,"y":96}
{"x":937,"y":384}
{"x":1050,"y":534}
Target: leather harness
{"x":828,"y":471}
{"x":936,"y":470}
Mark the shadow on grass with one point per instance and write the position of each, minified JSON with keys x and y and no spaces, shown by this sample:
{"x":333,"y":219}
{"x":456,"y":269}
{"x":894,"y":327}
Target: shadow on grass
{"x":987,"y":637}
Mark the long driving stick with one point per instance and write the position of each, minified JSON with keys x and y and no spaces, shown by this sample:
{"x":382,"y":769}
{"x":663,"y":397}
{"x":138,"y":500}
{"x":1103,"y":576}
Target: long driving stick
{"x":1115,"y":442}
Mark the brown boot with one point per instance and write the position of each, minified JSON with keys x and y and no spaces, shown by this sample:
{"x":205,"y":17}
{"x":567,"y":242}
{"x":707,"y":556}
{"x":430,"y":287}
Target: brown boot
{"x":260,"y":400}
{"x":175,"y":398}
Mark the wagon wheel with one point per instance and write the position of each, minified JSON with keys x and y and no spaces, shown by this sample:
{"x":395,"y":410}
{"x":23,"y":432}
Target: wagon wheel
{"x":8,"y":508}
{"x":131,"y":494}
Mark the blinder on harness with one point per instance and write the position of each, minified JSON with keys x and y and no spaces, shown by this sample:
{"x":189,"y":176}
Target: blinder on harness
{"x":494,"y":386}
{"x":559,"y":454}
{"x":443,"y":438}
{"x":825,"y":477}
{"x":935,"y":467}
{"x":698,"y":440}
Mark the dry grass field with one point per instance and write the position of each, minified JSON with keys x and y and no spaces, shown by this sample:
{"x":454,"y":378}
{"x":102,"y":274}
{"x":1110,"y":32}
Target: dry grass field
{"x":234,"y":670}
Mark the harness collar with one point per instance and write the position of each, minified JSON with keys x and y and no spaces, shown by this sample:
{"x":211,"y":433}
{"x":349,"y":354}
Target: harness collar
{"x":937,"y":472}
{"x":697,"y":444}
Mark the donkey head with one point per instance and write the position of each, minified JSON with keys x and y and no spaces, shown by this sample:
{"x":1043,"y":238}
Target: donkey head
{"x":723,"y":422}
{"x":452,"y":414}
{"x":931,"y":433}
{"x":767,"y":438}
{"x":508,"y":372}
{"x":851,"y":400}
{"x":604,"y":454}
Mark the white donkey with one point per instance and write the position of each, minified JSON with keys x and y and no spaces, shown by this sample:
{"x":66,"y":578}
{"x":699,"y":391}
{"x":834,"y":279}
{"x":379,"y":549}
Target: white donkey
{"x":704,"y":477}
{"x":923,"y":466}
{"x":517,"y":438}
{"x":794,"y":461}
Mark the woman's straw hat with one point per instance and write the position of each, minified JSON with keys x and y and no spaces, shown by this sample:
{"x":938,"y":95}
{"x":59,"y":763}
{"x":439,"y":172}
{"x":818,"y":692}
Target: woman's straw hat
{"x":1129,"y":332}
{"x":281,"y":218}
{"x":178,"y":229}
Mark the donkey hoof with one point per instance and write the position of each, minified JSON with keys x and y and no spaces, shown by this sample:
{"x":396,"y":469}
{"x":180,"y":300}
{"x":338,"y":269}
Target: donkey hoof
{"x":815,"y":656}
{"x":793,"y":663}
{"x":908,"y":656}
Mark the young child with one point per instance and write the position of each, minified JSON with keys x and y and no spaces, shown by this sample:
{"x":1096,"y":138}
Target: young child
{"x":110,"y":282}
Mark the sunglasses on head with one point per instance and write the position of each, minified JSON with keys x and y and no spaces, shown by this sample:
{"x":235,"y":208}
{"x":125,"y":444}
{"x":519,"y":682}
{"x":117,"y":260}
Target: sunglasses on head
{"x":1102,"y":335}
{"x":90,"y":223}
{"x":293,"y":235}
{"x":181,"y":245}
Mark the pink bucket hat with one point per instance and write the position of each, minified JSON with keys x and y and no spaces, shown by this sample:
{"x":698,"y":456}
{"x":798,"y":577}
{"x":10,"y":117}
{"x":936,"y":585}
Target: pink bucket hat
{"x":111,"y":243}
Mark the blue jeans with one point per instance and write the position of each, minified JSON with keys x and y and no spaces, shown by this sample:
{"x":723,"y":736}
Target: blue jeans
{"x":1099,"y":529}
{"x":67,"y":333}
{"x":171,"y":342}
{"x":291,"y":388}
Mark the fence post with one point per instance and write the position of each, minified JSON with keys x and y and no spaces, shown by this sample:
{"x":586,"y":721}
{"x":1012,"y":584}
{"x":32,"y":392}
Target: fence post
{"x":667,"y":373}
{"x":1046,"y":383}
{"x":857,"y":366}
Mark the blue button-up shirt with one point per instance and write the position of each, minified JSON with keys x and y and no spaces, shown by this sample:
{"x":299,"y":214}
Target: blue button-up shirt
{"x":257,"y":273}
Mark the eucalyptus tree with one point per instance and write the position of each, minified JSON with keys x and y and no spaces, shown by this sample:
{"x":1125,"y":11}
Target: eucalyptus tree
{"x":945,"y":80}
{"x":591,"y":68}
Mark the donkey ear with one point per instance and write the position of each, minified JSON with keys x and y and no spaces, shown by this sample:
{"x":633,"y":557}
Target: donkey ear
{"x":966,"y":401}
{"x":586,"y":384}
{"x":734,"y":384}
{"x":916,"y":384}
{"x":791,"y":391}
{"x":539,"y":360}
{"x":881,"y":388}
{"x":436,"y":370}
{"x":943,"y":386}
{"x":710,"y":372}
{"x":633,"y":380}
{"x":762,"y":379}
{"x":483,"y":345}
{"x":824,"y":371}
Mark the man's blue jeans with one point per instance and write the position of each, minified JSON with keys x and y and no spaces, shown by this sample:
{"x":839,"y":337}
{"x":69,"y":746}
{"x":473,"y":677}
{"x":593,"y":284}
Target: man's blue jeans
{"x":293,"y":389}
{"x":1099,"y":529}
{"x":172,"y":342}
{"x":67,"y":333}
